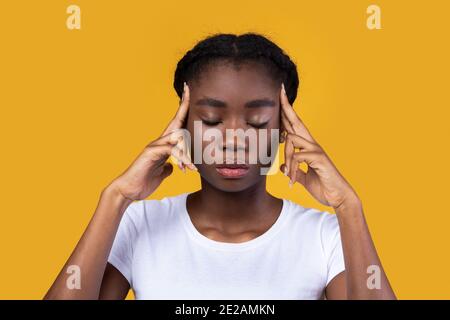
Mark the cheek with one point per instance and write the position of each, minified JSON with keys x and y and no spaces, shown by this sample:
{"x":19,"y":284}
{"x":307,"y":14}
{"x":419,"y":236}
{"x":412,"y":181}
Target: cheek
{"x":189,"y":122}
{"x":201,"y":147}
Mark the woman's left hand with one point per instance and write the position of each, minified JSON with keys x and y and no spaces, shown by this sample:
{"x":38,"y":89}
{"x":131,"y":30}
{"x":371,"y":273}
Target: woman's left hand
{"x":322,"y":178}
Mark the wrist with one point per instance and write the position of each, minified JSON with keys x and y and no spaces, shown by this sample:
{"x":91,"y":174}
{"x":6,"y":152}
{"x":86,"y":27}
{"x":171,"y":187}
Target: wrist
{"x":113,"y":197}
{"x":351,"y":204}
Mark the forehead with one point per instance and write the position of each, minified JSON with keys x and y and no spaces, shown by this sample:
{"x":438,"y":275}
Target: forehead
{"x":235,"y":83}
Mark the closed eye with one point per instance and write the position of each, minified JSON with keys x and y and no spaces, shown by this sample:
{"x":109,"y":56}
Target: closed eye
{"x":211,"y":123}
{"x":258,"y":125}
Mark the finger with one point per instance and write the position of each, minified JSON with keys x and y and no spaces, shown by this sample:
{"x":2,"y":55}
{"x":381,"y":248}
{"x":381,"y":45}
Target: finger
{"x":170,"y":138}
{"x":181,"y":166}
{"x":178,"y":121}
{"x":160,"y":154}
{"x":295,"y":161}
{"x":166,"y":171}
{"x":300,"y":175}
{"x":297,"y":125}
{"x":177,"y":138}
{"x":184,"y":106}
{"x":293,"y":166}
{"x":184,"y":145}
{"x":288,"y":152}
{"x":286,"y":106}
{"x":292,"y":142}
{"x":162,"y":173}
{"x":286,"y":123}
{"x":182,"y":158}
{"x":300,"y":142}
{"x":310,"y":158}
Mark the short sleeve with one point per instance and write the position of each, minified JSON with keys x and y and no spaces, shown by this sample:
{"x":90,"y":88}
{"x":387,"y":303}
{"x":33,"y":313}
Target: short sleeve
{"x":332,"y":246}
{"x":121,"y":254}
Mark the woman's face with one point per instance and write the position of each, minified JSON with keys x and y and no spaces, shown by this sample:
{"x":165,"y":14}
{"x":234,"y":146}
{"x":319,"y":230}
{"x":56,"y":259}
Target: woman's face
{"x":226,"y":97}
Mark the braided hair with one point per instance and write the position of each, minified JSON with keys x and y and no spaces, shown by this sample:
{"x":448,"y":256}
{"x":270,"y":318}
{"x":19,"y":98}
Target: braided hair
{"x":237,"y":49}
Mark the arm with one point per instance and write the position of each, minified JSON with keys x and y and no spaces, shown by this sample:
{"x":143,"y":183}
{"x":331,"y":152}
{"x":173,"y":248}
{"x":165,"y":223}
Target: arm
{"x":359,"y":254}
{"x":98,"y":278}
{"x":329,"y":187}
{"x":91,"y":253}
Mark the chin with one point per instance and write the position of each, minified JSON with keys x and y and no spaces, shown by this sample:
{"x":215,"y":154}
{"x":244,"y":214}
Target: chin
{"x":231,"y":186}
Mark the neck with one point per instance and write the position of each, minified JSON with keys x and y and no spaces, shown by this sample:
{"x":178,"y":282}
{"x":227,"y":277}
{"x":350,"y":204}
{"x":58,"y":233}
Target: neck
{"x":227,"y":209}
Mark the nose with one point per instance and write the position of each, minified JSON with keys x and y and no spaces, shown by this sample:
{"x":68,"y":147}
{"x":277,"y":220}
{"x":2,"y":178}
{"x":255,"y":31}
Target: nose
{"x":234,"y":137}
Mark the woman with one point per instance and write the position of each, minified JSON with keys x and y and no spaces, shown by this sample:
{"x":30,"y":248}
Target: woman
{"x":231,"y":239}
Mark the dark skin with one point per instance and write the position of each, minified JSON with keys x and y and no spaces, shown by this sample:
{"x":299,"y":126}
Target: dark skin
{"x":232,"y":97}
{"x":229,"y":210}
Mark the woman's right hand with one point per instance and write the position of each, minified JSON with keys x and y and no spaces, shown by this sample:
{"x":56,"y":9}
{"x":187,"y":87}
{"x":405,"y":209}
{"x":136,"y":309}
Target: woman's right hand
{"x":150,"y":168}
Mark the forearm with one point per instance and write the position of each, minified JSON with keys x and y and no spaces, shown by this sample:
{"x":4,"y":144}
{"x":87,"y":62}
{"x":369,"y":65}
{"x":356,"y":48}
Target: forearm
{"x":91,"y":252}
{"x":359,"y":254}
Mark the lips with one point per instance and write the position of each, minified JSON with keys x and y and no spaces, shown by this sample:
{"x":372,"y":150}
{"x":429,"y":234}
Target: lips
{"x":232,"y":170}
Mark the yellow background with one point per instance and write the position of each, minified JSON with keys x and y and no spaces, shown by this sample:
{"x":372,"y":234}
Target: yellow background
{"x":78,"y":106}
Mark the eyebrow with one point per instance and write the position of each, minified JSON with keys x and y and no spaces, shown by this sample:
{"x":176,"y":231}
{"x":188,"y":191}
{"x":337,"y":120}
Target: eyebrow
{"x":211,"y":102}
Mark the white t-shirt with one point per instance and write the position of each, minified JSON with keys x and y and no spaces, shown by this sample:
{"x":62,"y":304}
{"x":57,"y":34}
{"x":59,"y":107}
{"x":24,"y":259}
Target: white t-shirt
{"x":163,"y":256}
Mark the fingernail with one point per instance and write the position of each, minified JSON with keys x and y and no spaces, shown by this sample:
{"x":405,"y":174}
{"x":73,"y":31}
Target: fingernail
{"x":285,"y":171}
{"x":180,"y":165}
{"x":282,"y":86}
{"x":193,"y":167}
{"x":290,"y":183}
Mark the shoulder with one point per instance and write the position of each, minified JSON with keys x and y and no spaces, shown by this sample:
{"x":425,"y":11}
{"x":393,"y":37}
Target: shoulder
{"x":310,"y":216}
{"x":314,"y":231}
{"x":311,"y":222}
{"x":154,"y":212}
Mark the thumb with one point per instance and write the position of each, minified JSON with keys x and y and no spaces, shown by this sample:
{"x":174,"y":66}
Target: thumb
{"x":167,"y":170}
{"x":157,"y":178}
{"x":300,"y":175}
